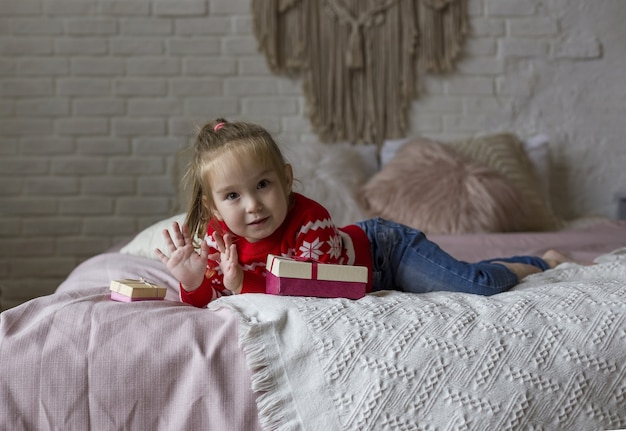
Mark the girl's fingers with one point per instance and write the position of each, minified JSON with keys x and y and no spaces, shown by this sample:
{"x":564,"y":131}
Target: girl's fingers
{"x":168,"y":241}
{"x":186,"y":234}
{"x":233,"y":253}
{"x":226,"y":247}
{"x":220,"y":241}
{"x":179,"y":239}
{"x":204,"y":250}
{"x":162,"y":257}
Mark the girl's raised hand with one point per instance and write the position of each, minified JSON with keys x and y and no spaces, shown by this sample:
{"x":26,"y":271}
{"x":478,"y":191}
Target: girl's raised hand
{"x":229,"y":262}
{"x":183,"y":261}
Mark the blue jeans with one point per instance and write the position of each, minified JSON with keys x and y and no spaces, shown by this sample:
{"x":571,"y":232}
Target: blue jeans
{"x":404,"y":259}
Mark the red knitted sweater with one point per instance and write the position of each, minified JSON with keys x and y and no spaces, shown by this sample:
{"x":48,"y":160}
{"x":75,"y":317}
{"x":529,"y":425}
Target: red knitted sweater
{"x":307,"y":231}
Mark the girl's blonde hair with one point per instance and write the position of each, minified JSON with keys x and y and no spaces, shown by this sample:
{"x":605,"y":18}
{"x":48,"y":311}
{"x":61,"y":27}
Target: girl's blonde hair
{"x":237,"y":140}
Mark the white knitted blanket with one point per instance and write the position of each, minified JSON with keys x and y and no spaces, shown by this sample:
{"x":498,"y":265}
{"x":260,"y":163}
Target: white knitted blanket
{"x":549,"y":355}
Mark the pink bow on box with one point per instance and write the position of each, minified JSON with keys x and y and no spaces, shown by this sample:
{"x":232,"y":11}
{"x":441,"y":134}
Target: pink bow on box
{"x":310,"y":260}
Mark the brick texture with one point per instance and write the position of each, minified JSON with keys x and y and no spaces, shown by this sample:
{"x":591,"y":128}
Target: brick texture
{"x":97,"y":98}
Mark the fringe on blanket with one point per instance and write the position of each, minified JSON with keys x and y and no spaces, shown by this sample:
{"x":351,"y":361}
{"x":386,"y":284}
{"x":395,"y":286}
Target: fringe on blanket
{"x":272,"y":403}
{"x":359,"y":59}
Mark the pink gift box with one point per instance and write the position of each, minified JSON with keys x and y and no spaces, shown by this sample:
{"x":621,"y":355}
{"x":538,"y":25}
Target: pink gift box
{"x":294,"y":277}
{"x":129,"y":290}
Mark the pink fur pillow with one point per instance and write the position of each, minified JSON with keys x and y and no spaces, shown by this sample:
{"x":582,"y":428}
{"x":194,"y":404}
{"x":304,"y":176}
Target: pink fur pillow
{"x":431,"y":187}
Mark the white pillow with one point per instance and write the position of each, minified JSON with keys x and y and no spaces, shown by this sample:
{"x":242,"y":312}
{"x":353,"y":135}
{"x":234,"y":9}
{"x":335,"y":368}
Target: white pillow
{"x":332,"y":175}
{"x":144,"y":243}
{"x":537,"y":148}
{"x":390,"y":148}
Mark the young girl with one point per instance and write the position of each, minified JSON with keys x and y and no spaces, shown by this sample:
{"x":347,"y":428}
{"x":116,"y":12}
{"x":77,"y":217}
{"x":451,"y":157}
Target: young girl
{"x":244,"y":208}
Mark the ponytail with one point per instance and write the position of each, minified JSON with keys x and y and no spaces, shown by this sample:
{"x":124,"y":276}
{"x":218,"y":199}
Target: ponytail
{"x":198,"y":215}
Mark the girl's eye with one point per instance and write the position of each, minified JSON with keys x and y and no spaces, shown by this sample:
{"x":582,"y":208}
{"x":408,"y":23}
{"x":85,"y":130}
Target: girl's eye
{"x":262,"y":184}
{"x":232,"y":196}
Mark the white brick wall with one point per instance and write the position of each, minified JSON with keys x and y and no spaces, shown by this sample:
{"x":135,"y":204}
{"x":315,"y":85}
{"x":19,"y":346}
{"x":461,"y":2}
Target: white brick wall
{"x":98,"y":96}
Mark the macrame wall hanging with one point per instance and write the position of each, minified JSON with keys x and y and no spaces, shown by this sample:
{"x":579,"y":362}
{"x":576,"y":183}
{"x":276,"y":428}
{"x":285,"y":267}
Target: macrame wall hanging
{"x":359,"y":59}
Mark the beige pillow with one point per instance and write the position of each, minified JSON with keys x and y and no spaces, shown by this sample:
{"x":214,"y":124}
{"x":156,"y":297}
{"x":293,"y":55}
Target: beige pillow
{"x":430,"y":187}
{"x":505,"y":153}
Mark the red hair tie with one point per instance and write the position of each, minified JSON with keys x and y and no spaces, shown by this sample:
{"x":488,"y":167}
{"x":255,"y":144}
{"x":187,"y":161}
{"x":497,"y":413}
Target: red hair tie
{"x":218,"y":126}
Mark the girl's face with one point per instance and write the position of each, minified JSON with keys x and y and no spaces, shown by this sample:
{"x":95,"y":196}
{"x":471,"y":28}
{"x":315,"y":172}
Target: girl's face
{"x":251,"y":200}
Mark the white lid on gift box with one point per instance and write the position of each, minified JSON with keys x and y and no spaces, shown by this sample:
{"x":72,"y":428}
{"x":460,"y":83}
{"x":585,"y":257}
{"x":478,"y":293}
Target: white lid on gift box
{"x":290,"y":268}
{"x":137,"y":288}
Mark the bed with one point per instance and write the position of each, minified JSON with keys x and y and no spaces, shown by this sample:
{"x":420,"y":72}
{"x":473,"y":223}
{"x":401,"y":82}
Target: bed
{"x":547,"y":355}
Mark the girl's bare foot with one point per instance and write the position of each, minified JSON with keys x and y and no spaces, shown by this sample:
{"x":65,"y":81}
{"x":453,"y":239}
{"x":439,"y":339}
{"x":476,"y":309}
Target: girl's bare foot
{"x":553,"y":258}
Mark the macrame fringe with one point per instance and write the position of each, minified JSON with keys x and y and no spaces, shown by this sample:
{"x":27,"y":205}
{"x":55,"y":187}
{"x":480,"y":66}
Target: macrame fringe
{"x":359,"y":59}
{"x":443,"y":30}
